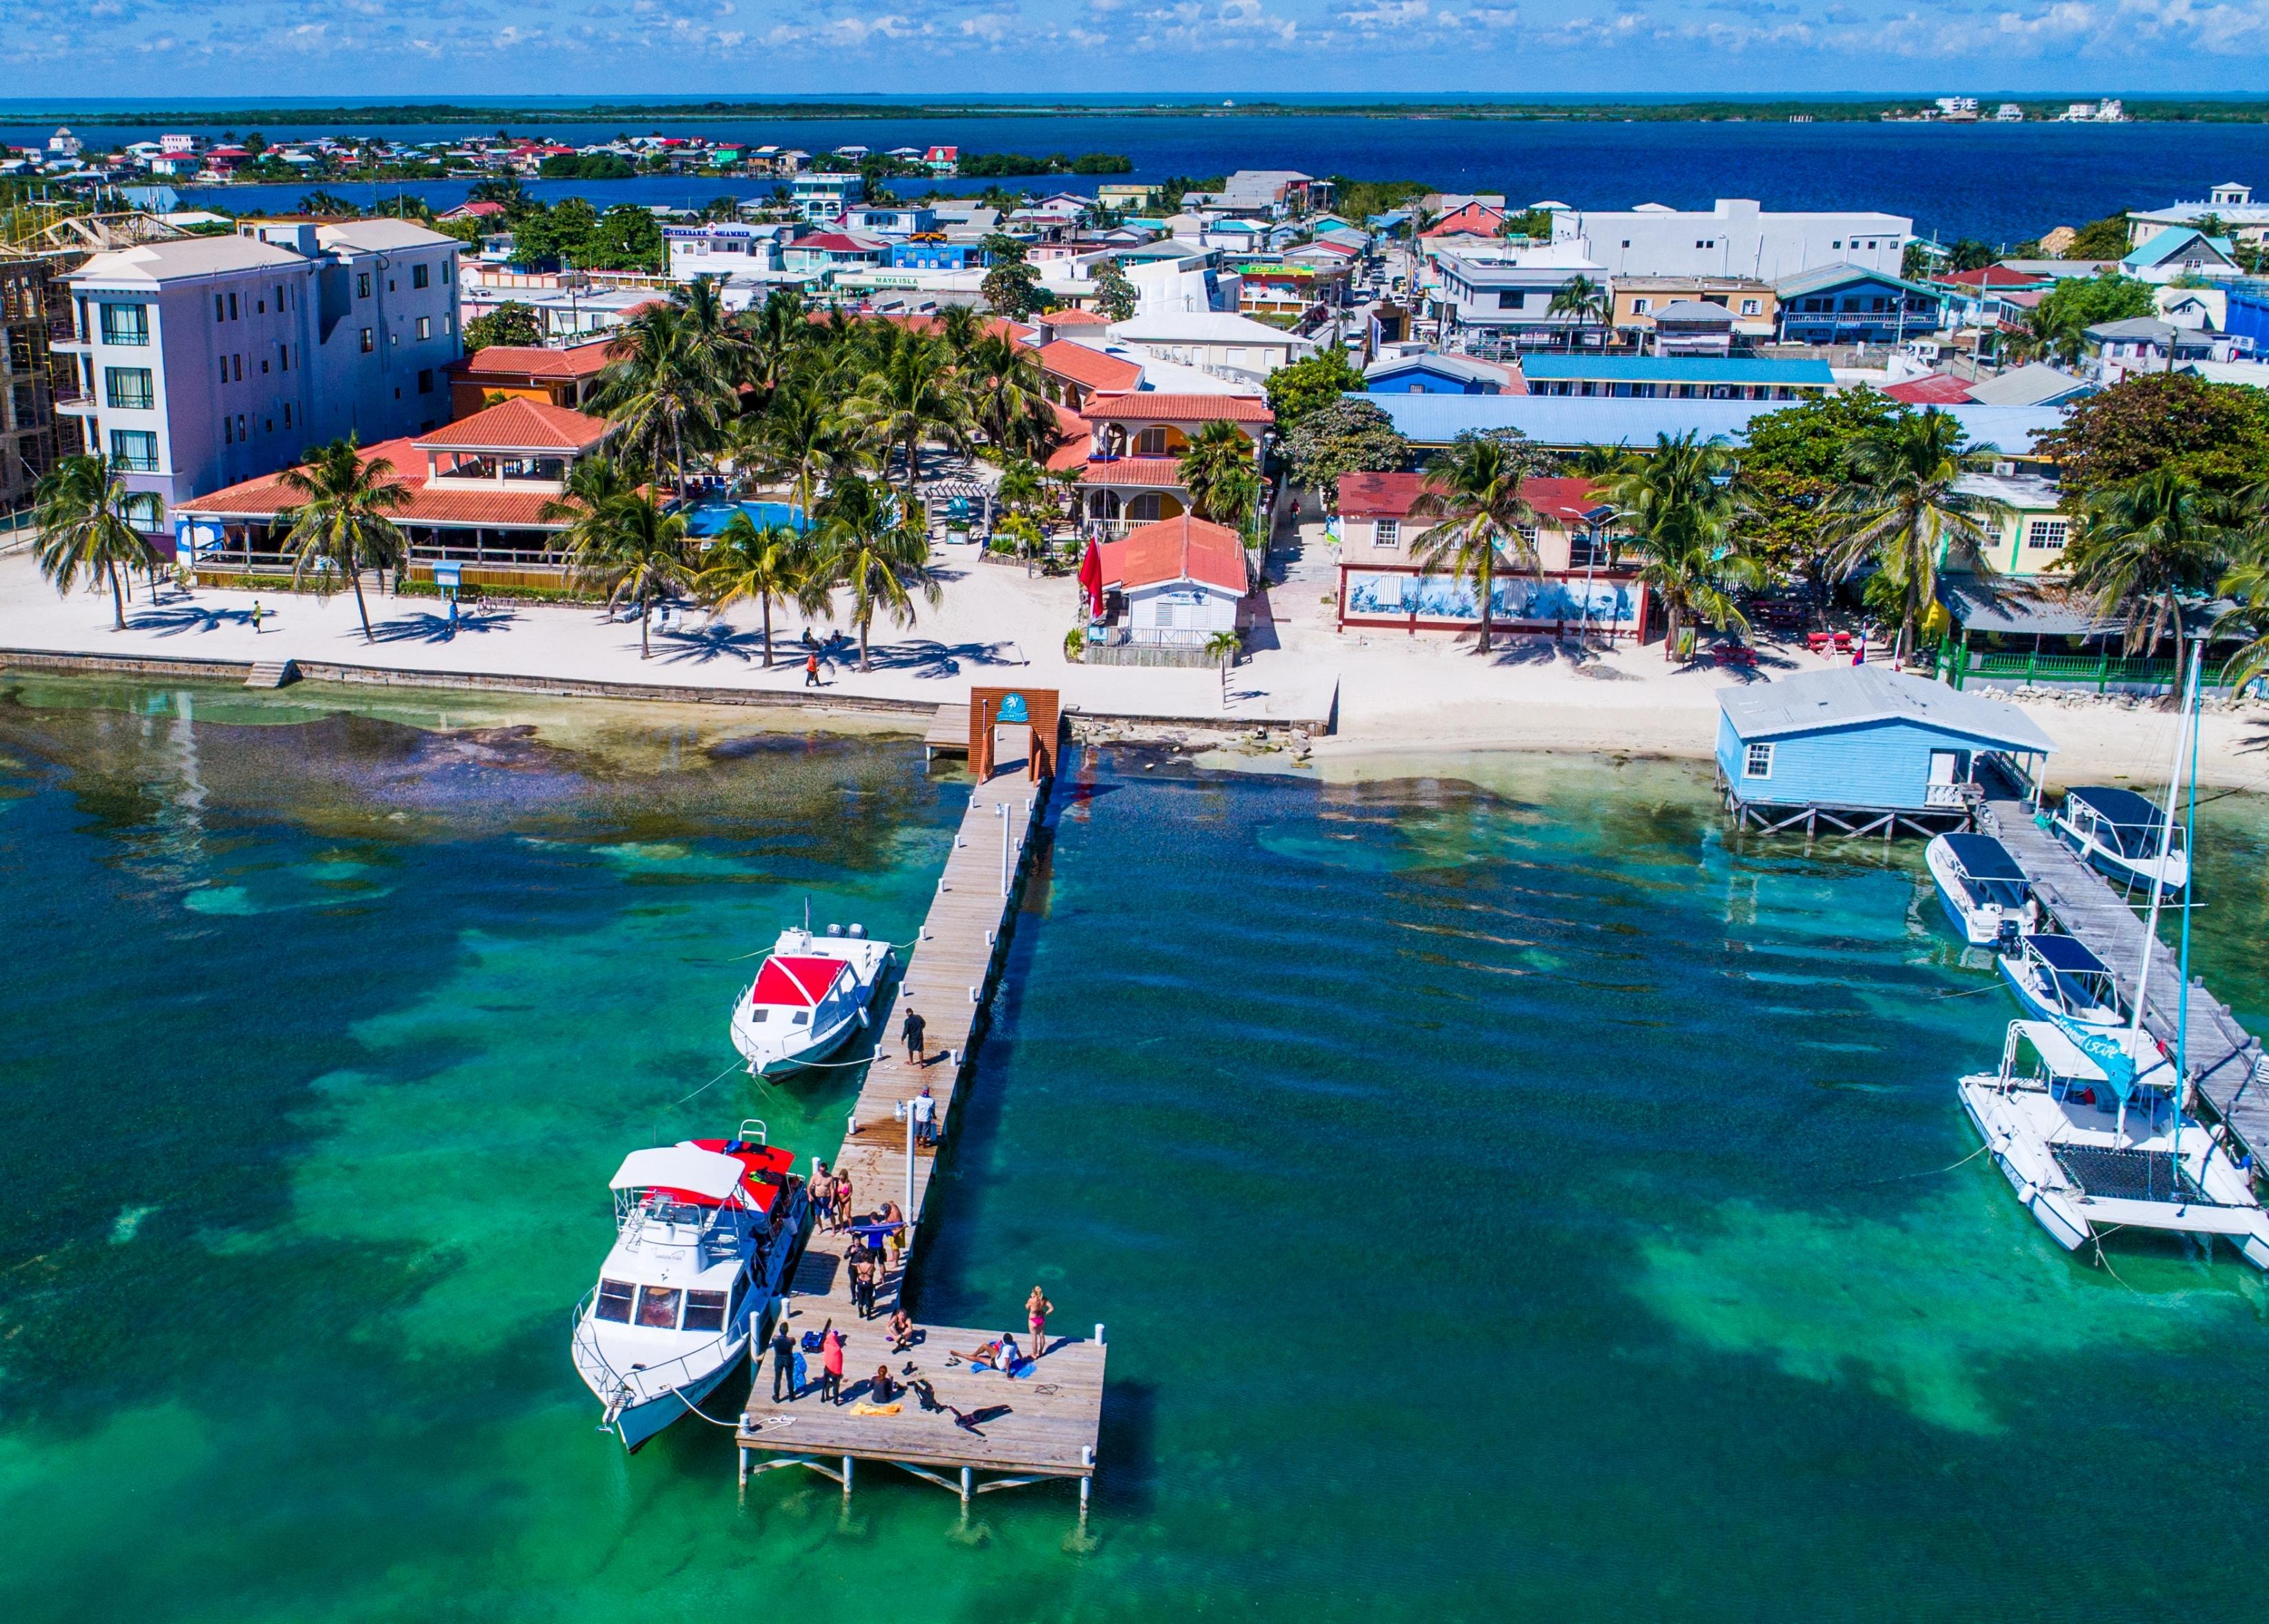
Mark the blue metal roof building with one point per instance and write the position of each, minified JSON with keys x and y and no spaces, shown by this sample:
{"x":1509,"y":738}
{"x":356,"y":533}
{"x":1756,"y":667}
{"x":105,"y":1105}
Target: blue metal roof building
{"x":1707,"y":378}
{"x":1863,"y":748}
{"x":1570,"y":422}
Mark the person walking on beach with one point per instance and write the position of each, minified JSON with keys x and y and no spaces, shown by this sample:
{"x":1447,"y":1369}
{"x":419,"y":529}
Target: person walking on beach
{"x":783,"y":1361}
{"x":812,"y":670}
{"x":1037,"y":1310}
{"x":257,"y":612}
{"x":925,"y":1110}
{"x":831,"y":1366}
{"x":911,"y":1032}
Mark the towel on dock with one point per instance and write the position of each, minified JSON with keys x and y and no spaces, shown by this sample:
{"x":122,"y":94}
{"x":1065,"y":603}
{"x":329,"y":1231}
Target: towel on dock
{"x":876,"y":1409}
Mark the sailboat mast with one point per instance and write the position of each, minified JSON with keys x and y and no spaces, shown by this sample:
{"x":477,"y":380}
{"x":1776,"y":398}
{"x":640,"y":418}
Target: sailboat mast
{"x":2183,"y":973}
{"x":2158,"y":891}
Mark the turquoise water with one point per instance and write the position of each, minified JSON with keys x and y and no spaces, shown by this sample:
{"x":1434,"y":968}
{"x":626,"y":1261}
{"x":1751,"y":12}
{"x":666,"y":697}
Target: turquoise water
{"x":1507,"y":1199}
{"x":708,"y":518}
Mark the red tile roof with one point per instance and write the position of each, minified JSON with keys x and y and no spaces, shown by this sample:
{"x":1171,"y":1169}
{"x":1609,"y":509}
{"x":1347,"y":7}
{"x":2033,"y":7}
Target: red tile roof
{"x":1071,"y":317}
{"x":1393,"y":496}
{"x":1569,"y":499}
{"x":520,"y":426}
{"x":1934,"y":389}
{"x":1077,"y":442}
{"x":1473,"y":219}
{"x":1173,"y":550}
{"x":267,"y":496}
{"x":500,"y":361}
{"x":1158,"y":473}
{"x":1088,"y":367}
{"x":1148,"y":406}
{"x":1994,"y":276}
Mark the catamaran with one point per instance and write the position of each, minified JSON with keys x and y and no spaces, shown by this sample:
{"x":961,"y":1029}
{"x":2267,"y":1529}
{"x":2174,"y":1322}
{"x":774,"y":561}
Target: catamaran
{"x":707,"y":1231}
{"x":2087,"y":1126}
{"x":1983,"y":889}
{"x":2058,"y":978}
{"x":2123,"y":835}
{"x":810,"y":995}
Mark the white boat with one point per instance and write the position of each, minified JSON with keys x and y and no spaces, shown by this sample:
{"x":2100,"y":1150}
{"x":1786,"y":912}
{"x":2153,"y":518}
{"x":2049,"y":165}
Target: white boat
{"x":810,"y":996}
{"x":2121,"y":834}
{"x":2058,"y":978}
{"x":1982,"y":886}
{"x":707,"y":1230}
{"x":2088,"y":1127}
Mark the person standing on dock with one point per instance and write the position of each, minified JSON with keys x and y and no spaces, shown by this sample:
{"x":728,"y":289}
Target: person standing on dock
{"x":842,"y":1202}
{"x":925,"y":1110}
{"x":783,"y":1361}
{"x":831,"y":1366}
{"x":1037,"y":1310}
{"x":913,"y":1033}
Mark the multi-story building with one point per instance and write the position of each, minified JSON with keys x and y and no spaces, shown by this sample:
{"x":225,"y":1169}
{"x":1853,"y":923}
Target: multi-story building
{"x":1853,"y":305}
{"x":1640,"y":301}
{"x":32,"y":379}
{"x":211,"y":360}
{"x":1131,"y":473}
{"x":821,"y":196}
{"x":1508,"y":305}
{"x":1738,"y":237}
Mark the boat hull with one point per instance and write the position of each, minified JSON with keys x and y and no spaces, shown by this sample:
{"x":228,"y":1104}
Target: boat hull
{"x":2129,"y":872}
{"x":2050,"y":1209}
{"x":638,"y":1423}
{"x":1979,"y":926}
{"x":2012,"y":969}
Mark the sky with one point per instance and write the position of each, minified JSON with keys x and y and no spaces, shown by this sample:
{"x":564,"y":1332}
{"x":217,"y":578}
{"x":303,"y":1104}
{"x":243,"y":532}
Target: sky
{"x":180,"y":48}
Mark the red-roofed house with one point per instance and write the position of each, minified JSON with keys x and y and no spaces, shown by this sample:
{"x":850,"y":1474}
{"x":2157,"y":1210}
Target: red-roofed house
{"x":1167,"y":587}
{"x":478,"y":490}
{"x":561,"y":377}
{"x":1133,"y":472}
{"x":1931,"y":389}
{"x":1575,"y":582}
{"x":1076,"y":373}
{"x":1475,"y":219}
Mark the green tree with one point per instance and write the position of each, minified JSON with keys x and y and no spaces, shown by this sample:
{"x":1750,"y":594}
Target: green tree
{"x":329,"y":205}
{"x":659,"y":382}
{"x":79,"y":513}
{"x":1903,"y":507}
{"x":1792,"y":466}
{"x":1005,"y":388}
{"x":1304,"y":386}
{"x":779,"y":333}
{"x":509,"y":190}
{"x":2061,"y":320}
{"x":914,"y":397}
{"x":1676,"y":504}
{"x":1115,"y":298}
{"x":628,"y":237}
{"x":876,"y":549}
{"x":1344,"y":437}
{"x":511,"y":322}
{"x":635,"y":553}
{"x":1222,"y":648}
{"x":746,"y":560}
{"x":1581,"y":298}
{"x":1011,"y":288}
{"x":2141,"y":545}
{"x":2217,"y":434}
{"x":2106,"y":238}
{"x":1216,"y":470}
{"x":1474,"y":489}
{"x":801,"y":438}
{"x":342,"y":521}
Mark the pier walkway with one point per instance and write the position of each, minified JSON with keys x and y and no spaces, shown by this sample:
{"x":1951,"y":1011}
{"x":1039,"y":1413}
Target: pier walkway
{"x":2225,"y":1060}
{"x":1041,"y":1425}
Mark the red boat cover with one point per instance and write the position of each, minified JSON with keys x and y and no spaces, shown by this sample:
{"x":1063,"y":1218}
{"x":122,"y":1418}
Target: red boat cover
{"x":798,"y":983}
{"x":767,"y":1165}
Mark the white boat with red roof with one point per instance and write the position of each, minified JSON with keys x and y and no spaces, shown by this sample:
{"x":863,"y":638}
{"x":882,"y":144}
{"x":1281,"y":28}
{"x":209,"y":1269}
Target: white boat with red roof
{"x":810,"y":996}
{"x":706,"y":1234}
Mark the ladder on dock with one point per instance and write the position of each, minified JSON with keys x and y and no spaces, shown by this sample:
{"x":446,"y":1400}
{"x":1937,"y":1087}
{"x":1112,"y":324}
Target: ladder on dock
{"x":2226,"y":1061}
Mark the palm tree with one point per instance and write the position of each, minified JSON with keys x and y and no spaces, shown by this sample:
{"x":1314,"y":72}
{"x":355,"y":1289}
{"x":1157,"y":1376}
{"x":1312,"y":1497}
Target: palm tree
{"x":1221,"y":648}
{"x":1903,"y":506}
{"x":1675,"y":503}
{"x":79,"y":514}
{"x":779,"y":333}
{"x":344,"y":522}
{"x":802,"y":439}
{"x":1486,"y":523}
{"x":1010,"y":403}
{"x":745,"y":561}
{"x":2142,"y":543}
{"x":2247,"y":583}
{"x":712,"y":332}
{"x":1583,"y":298}
{"x":660,"y":380}
{"x":636,"y":553}
{"x":914,"y":396}
{"x":1216,"y":470}
{"x":876,"y":548}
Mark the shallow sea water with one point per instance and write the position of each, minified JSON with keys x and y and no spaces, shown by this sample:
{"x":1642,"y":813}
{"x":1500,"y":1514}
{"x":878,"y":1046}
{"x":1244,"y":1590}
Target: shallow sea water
{"x":1508,"y":1195}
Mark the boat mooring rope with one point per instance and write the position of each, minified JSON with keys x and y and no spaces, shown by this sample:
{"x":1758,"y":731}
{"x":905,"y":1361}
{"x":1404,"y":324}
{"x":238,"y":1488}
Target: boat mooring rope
{"x":1931,"y":1173}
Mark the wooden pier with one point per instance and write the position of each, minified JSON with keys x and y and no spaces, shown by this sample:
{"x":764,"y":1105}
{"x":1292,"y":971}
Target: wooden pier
{"x":1044,"y":1423}
{"x":2226,"y":1062}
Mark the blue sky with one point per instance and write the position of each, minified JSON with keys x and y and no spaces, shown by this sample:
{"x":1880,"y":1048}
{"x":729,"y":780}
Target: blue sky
{"x":366,"y":48}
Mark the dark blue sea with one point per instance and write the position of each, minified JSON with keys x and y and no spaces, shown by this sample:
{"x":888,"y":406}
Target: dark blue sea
{"x":1999,"y":183}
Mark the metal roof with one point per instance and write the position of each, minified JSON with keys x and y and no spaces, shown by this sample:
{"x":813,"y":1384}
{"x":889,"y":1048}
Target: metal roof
{"x":1677,"y":369}
{"x":1576,"y":420}
{"x":1854,"y":696}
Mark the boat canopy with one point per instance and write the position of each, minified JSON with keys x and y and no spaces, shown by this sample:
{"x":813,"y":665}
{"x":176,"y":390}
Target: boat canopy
{"x":797,"y":982}
{"x":1981,"y":857}
{"x":2066,"y":954}
{"x":2135,"y":821}
{"x":680,"y":1167}
{"x":2109,"y":1057}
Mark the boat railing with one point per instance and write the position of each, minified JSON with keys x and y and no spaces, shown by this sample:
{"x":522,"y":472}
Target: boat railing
{"x":649,"y":1381}
{"x":760,"y":1137}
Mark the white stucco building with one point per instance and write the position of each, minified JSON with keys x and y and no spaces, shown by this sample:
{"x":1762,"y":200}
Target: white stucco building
{"x":1737,"y":238}
{"x":212,"y":360}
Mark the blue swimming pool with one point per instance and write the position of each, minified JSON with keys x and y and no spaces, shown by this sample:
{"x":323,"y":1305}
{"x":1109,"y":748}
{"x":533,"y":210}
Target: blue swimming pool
{"x":707,"y":518}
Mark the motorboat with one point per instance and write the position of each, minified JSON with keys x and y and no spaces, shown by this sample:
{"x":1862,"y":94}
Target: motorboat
{"x":2123,"y":835}
{"x":2089,"y":1128}
{"x":706,"y":1234}
{"x":811,"y":994}
{"x":2060,"y":979}
{"x":1984,"y":890}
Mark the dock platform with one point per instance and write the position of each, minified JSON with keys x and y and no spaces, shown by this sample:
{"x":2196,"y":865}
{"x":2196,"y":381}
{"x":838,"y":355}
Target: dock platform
{"x":2226,"y":1061}
{"x":1042,"y":1424}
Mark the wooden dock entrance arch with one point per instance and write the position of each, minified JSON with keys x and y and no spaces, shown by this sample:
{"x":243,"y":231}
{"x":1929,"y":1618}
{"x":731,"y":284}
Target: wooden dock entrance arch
{"x":991,"y":709}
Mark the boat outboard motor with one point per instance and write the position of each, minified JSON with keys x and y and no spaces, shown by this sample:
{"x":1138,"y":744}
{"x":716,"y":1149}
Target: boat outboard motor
{"x":2006,"y":941}
{"x":858,"y":932}
{"x":835,"y":930}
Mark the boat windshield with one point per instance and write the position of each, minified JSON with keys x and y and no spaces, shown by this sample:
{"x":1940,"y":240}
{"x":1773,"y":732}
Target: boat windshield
{"x":2009,"y":893}
{"x":615,"y":1301}
{"x":705,"y":1310}
{"x":657,"y":1308}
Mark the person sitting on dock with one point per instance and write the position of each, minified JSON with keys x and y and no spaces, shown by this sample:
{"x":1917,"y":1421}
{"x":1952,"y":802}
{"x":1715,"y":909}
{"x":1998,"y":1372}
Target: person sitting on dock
{"x":902,"y":1331}
{"x":883,"y":1388}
